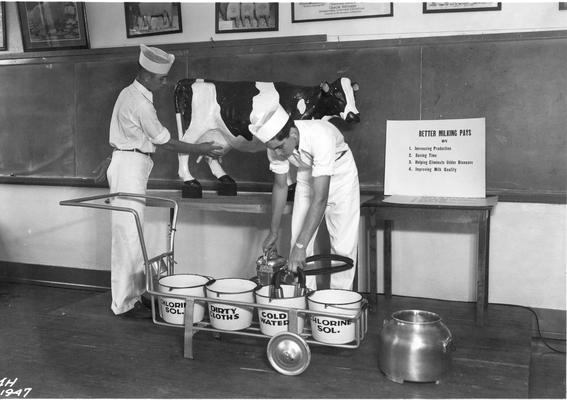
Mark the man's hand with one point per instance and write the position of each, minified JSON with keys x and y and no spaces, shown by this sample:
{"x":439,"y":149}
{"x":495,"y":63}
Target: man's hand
{"x":297,"y":258}
{"x":100,"y":171}
{"x":209,"y":149}
{"x":269,"y":242}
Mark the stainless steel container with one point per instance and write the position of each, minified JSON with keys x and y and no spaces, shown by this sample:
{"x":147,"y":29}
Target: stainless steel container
{"x":414,"y":346}
{"x":267,"y":265}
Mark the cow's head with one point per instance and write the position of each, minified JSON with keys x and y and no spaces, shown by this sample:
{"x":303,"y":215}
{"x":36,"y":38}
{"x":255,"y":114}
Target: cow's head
{"x":337,"y":98}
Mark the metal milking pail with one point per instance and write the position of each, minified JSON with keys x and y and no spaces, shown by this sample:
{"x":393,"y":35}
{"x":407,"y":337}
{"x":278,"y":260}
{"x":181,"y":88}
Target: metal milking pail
{"x":414,"y":346}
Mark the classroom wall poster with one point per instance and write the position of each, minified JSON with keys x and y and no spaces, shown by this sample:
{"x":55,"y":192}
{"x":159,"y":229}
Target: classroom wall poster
{"x":444,"y":158}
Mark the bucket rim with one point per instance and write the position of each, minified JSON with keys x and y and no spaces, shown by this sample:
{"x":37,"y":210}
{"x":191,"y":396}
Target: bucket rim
{"x":435,"y":318}
{"x":276,"y":298}
{"x":170,"y":286}
{"x":309,"y":295}
{"x":208,"y":286}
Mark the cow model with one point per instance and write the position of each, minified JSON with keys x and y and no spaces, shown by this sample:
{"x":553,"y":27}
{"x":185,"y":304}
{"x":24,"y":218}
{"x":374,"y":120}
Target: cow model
{"x":221,"y":112}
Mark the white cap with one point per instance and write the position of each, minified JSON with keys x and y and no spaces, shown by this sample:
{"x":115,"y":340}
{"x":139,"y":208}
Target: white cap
{"x":155,"y":60}
{"x":271,"y":124}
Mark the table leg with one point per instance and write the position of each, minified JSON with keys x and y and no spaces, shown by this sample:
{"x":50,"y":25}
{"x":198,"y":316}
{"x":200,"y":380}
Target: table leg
{"x":482,"y":266}
{"x":388,"y":258}
{"x":371,"y":257}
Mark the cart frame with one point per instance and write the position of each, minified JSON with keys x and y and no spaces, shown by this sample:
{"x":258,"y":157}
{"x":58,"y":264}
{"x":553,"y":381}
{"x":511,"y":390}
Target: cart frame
{"x":164,"y":265}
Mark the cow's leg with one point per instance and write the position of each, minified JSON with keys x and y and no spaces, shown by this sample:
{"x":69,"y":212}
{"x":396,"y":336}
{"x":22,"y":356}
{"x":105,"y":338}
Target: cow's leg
{"x":227,"y":185}
{"x":191,"y":187}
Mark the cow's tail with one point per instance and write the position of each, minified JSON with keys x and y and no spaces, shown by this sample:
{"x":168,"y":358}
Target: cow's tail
{"x":179,"y":125}
{"x":182,"y":96}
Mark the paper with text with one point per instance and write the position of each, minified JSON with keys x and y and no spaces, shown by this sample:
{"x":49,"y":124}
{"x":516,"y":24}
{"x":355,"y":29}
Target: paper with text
{"x":441,"y":158}
{"x":441,"y":201}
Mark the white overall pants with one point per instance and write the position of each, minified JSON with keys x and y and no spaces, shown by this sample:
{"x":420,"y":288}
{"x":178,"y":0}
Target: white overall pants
{"x":128,"y":173}
{"x":342,"y":216}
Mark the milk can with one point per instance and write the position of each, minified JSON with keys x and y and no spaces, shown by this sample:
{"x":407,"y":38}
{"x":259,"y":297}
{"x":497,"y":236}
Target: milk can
{"x":267,"y":265}
{"x":414,"y":346}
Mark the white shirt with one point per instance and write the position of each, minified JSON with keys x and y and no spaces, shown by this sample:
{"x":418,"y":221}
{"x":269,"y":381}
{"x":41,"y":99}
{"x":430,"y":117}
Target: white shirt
{"x":134,"y":123}
{"x":320,"y":144}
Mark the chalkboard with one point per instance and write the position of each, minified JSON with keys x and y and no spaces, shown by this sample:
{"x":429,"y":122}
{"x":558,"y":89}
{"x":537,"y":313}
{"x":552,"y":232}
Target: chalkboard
{"x":56,"y":112}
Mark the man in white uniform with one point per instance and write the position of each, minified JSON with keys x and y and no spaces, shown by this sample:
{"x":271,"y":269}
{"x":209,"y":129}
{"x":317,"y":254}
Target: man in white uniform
{"x":135,"y":131}
{"x":327,"y":185}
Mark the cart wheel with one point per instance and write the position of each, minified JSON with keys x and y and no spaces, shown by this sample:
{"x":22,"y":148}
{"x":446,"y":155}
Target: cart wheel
{"x":288,"y":353}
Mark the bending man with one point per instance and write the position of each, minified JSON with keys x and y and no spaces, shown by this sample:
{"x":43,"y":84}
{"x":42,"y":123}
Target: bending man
{"x":327,"y":186}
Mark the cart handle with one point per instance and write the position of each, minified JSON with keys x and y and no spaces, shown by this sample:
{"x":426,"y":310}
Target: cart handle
{"x":84,"y":202}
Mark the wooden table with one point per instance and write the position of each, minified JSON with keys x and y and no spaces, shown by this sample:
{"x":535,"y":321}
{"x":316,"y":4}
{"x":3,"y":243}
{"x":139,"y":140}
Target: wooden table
{"x":470,"y":211}
{"x":245,"y":202}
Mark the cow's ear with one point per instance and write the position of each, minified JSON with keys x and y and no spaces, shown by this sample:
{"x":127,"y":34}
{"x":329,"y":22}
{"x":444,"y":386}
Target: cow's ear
{"x":355,"y":86}
{"x":325,"y":87}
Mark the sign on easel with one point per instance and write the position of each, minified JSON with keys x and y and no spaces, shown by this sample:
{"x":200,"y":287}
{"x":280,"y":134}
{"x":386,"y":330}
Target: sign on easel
{"x":441,"y":158}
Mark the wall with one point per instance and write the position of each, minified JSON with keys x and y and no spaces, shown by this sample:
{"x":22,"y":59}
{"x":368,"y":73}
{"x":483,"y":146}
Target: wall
{"x":527,"y":249}
{"x":527,"y":240}
{"x":106,"y":24}
{"x":408,"y":21}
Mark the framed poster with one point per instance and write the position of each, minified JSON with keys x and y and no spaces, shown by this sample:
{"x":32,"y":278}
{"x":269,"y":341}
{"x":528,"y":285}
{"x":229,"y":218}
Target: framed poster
{"x":53,"y":25}
{"x":439,"y":7}
{"x":562,"y":5}
{"x":3,"y":41}
{"x":147,"y":19}
{"x":246,"y":17}
{"x":309,"y":12}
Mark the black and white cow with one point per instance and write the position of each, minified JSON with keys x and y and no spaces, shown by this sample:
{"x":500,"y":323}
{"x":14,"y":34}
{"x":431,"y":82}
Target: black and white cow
{"x":221,"y":111}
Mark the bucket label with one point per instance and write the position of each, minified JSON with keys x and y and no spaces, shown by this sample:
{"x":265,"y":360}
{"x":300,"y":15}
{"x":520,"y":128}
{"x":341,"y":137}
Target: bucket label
{"x":329,"y":325}
{"x":173,"y":307}
{"x":223,"y":313}
{"x":274,"y":318}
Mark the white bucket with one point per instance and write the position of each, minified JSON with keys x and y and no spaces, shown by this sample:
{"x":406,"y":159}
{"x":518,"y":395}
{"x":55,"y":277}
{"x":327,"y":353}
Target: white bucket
{"x":274,"y":321}
{"x":226,"y":316}
{"x":336,"y":301}
{"x":172,"y":309}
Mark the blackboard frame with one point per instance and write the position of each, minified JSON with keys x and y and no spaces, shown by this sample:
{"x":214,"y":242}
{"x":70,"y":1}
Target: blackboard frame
{"x":304,"y":46}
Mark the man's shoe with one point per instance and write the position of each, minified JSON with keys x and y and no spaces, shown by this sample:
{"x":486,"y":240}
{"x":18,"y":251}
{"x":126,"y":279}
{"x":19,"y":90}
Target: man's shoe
{"x":139,"y":311}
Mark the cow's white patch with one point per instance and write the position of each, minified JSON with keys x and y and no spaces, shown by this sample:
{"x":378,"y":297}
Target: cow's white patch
{"x":301,"y":106}
{"x":205,"y":120}
{"x":263,"y":102}
{"x":349,"y":96}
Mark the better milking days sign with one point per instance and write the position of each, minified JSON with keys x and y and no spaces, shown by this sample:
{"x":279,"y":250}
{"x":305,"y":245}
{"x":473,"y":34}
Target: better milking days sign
{"x":441,"y":158}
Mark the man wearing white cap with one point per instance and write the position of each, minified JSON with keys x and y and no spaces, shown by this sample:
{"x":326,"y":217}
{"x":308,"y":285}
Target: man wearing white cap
{"x":327,"y":185}
{"x":135,"y":132}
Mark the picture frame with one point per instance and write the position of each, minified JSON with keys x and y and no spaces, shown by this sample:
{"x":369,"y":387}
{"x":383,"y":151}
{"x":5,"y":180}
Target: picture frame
{"x":53,"y":25}
{"x":259,"y":17}
{"x":3,"y":36}
{"x":311,"y":12}
{"x":149,"y":19}
{"x":447,"y":7}
{"x":562,"y":5}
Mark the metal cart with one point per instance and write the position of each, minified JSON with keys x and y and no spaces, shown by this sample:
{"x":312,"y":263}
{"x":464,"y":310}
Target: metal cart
{"x":288,"y":352}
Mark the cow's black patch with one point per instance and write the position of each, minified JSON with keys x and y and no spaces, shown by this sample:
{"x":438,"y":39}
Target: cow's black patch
{"x":235,"y":100}
{"x":290,"y":95}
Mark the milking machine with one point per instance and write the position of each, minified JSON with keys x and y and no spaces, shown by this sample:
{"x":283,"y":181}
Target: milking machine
{"x":288,"y":313}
